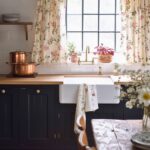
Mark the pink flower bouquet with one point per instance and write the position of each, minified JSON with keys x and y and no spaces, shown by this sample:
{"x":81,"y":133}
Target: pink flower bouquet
{"x":105,"y":53}
{"x":101,"y":50}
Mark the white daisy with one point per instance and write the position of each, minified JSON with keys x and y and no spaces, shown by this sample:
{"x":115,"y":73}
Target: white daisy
{"x":130,"y":90}
{"x":144,"y":96}
{"x":133,"y":101}
{"x":129,"y":104}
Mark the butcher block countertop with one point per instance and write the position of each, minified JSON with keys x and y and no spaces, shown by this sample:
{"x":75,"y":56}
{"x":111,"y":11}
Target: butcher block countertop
{"x":38,"y":80}
{"x":54,"y":79}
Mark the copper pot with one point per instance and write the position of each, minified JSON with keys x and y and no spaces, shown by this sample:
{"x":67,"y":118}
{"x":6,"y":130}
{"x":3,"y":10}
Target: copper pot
{"x":24,"y":69}
{"x":18,"y":57}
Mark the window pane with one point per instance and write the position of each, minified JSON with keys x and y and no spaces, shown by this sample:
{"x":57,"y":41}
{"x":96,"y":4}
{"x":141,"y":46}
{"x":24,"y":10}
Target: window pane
{"x":107,"y":6}
{"x":90,"y":22}
{"x":118,"y":24}
{"x":76,"y":39}
{"x":74,"y":7}
{"x":118,"y":7}
{"x":107,"y":39}
{"x":88,"y":8}
{"x":118,"y":41}
{"x":74,"y":23}
{"x":106,"y":23}
{"x":90,"y":39}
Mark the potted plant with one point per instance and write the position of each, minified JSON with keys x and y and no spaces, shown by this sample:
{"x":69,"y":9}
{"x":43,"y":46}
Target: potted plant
{"x":105,"y":53}
{"x":72,"y":52}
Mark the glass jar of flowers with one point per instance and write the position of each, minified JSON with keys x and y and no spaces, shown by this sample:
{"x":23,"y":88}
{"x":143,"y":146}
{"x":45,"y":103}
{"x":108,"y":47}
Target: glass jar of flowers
{"x":137,"y":94}
{"x":104,"y":53}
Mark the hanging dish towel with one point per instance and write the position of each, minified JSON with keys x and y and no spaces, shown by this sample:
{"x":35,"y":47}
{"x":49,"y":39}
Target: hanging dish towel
{"x":87,"y":101}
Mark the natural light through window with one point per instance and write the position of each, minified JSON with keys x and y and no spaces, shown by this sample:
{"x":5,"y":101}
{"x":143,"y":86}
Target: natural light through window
{"x":92,"y":22}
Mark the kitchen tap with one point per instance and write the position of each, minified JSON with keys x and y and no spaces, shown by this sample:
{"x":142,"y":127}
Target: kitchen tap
{"x":99,"y":70}
{"x":86,"y":56}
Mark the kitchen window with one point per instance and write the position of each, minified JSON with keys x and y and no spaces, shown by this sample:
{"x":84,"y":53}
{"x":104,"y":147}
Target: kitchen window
{"x":92,"y":22}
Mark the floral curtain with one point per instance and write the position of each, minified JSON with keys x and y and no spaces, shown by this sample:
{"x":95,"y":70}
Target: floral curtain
{"x":135,"y":34}
{"x":49,"y":40}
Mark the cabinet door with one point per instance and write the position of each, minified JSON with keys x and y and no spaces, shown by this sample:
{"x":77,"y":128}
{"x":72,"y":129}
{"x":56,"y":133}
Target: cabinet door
{"x":65,"y":126}
{"x":8,"y":116}
{"x":38,"y":122}
{"x":134,"y":113}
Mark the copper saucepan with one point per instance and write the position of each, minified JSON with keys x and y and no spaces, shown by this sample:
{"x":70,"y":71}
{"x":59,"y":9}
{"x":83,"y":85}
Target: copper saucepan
{"x":24,"y":69}
{"x":18,"y":57}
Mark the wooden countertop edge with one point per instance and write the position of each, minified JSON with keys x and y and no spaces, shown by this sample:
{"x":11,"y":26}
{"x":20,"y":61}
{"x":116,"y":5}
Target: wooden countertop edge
{"x":39,"y":80}
{"x":49,"y":79}
{"x":123,"y":82}
{"x":31,"y":83}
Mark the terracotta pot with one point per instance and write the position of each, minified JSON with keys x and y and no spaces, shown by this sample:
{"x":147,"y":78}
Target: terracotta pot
{"x":74,"y":58}
{"x":25,"y":69}
{"x":105,"y":58}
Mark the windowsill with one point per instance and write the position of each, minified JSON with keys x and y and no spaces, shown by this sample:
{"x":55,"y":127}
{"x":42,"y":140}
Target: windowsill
{"x":118,"y":57}
{"x":106,"y":68}
{"x":91,"y":69}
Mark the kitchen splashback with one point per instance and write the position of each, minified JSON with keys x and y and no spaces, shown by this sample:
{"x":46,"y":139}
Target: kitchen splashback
{"x":12,"y":37}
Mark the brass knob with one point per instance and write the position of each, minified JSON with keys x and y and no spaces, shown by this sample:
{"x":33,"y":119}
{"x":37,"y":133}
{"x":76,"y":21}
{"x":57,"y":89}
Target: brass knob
{"x":38,"y":91}
{"x":3,"y":91}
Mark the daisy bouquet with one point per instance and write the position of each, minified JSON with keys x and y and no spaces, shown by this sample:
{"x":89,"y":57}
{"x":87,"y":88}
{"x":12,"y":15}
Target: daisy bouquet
{"x":137,"y":94}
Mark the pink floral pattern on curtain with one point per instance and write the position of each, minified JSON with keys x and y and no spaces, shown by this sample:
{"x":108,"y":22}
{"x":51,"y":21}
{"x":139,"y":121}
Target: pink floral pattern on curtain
{"x":50,"y":38}
{"x":135,"y":34}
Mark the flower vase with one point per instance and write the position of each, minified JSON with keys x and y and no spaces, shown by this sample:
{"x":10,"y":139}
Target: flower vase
{"x":146,"y":118}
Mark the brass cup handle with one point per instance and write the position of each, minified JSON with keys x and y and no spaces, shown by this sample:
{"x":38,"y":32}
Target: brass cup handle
{"x":38,"y":91}
{"x":3,"y":91}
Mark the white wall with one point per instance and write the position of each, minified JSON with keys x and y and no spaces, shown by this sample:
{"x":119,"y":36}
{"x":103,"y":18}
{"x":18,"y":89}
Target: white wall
{"x":13,"y":37}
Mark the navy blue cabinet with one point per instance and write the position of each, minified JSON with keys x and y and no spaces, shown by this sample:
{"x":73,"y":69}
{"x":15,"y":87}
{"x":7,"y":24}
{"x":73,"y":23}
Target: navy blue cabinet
{"x":65,"y":126}
{"x":38,"y":129}
{"x":28,"y":117}
{"x":8,"y":117}
{"x":31,"y":118}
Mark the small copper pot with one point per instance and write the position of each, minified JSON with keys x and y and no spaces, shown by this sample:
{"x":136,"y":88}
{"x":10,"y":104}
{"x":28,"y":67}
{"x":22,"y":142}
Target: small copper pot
{"x":25,"y":69}
{"x":18,"y":57}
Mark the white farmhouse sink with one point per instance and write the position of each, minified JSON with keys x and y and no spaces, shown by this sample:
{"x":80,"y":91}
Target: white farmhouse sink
{"x":88,"y":80}
{"x":107,"y":92}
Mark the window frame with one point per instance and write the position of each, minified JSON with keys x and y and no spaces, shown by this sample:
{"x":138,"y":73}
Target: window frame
{"x":114,"y":32}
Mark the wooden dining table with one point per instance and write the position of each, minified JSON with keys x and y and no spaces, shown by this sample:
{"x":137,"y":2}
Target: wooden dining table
{"x":110,"y":134}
